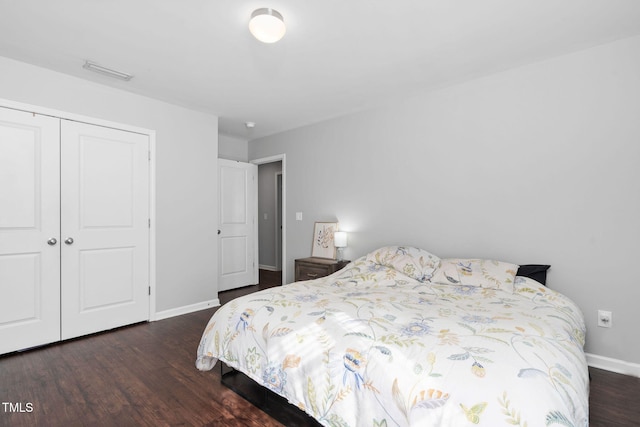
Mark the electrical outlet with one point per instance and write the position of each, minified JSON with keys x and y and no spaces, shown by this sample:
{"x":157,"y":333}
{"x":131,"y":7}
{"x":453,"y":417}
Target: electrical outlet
{"x":605,"y":319}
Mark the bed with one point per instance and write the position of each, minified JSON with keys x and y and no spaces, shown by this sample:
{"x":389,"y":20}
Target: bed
{"x":401,"y":337}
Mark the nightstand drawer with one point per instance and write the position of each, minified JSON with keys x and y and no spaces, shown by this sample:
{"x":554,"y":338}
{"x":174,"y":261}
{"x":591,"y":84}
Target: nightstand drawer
{"x":309,"y":272}
{"x":313,"y":268}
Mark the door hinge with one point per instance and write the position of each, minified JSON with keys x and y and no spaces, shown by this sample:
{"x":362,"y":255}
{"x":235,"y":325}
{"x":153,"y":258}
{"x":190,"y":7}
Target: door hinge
{"x":149,"y":290}
{"x":149,"y":222}
{"x":149,"y":154}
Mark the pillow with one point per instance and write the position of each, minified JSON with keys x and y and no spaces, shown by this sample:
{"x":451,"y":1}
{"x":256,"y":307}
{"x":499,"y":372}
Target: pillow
{"x":413,"y":262}
{"x":483,"y":273}
{"x":537,"y":272}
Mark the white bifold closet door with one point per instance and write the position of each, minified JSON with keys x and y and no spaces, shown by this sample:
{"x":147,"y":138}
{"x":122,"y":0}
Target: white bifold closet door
{"x":104,"y":178}
{"x":29,"y":230}
{"x":74,"y":229}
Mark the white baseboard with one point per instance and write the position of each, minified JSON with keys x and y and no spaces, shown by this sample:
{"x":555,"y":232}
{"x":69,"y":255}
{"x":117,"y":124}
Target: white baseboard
{"x":267,"y":267}
{"x":185,"y":309}
{"x":613,"y":365}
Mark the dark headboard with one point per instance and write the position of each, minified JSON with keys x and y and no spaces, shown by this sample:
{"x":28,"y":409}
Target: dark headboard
{"x":537,"y":272}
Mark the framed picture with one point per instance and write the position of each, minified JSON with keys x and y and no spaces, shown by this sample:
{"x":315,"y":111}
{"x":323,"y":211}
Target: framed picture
{"x":323,"y":246}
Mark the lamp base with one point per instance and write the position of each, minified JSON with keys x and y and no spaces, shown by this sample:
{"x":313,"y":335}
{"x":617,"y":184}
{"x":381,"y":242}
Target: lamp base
{"x":339,"y":254}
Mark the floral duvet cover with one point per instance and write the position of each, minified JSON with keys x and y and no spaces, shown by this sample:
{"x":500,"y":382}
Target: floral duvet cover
{"x":372,"y":345}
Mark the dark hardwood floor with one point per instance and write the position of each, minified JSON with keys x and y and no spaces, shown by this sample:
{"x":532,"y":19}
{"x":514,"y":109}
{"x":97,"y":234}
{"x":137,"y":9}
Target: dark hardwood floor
{"x":144,"y":375}
{"x":614,"y":399}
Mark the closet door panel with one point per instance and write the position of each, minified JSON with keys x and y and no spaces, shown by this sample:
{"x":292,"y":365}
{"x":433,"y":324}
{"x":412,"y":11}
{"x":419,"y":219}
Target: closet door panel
{"x":29,"y":230}
{"x":105,"y":231}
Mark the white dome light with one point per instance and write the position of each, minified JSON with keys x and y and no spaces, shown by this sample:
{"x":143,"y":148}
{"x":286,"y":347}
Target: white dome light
{"x":267,"y":25}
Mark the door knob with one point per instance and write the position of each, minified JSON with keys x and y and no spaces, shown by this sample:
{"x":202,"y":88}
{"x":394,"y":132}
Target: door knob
{"x":52,"y":241}
{"x":69,"y":241}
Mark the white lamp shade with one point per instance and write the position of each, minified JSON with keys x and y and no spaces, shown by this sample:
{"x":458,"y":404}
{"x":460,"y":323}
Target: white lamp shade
{"x":340,"y":239}
{"x":267,"y":25}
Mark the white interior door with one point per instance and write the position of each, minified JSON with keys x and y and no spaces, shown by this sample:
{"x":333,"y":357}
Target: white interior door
{"x":237,"y":245}
{"x":29,"y":230}
{"x":104,"y":228}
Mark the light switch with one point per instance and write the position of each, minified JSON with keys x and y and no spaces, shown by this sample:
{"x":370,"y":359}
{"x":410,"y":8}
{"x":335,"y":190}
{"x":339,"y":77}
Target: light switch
{"x":298,"y":216}
{"x":265,"y":215}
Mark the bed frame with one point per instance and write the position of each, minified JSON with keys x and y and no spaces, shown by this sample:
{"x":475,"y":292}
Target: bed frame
{"x":263,"y":398}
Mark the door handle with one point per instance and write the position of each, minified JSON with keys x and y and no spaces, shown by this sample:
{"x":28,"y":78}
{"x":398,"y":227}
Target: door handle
{"x":219,"y":231}
{"x":69,"y":241}
{"x":52,"y":241}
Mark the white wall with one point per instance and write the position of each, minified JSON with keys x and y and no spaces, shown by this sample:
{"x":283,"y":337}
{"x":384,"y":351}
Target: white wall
{"x":538,"y":164}
{"x":232,"y":148}
{"x":186,"y":153}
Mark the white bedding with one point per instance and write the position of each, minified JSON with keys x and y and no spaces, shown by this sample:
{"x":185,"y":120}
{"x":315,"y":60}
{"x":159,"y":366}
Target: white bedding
{"x":376,"y":345}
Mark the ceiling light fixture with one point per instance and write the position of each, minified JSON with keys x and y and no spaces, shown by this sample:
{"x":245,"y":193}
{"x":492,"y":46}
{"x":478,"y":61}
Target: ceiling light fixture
{"x":250,"y":125}
{"x":267,"y":25}
{"x":92,"y":66}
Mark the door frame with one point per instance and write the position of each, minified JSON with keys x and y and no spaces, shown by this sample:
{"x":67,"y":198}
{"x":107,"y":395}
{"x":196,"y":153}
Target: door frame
{"x":279,"y":222}
{"x":272,"y":159}
{"x":65,"y":115}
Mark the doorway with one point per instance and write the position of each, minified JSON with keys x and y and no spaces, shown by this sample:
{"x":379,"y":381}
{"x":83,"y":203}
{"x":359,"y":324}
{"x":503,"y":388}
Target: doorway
{"x":272,"y":214}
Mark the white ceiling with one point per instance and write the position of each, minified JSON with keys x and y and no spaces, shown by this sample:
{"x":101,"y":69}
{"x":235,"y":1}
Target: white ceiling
{"x":338,"y":56}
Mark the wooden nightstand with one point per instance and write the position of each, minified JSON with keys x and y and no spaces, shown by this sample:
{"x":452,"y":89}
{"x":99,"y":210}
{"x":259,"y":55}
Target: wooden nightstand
{"x":312,"y":268}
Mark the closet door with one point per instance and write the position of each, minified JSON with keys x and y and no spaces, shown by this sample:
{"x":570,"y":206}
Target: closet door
{"x":29,"y":230}
{"x":104,"y":228}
